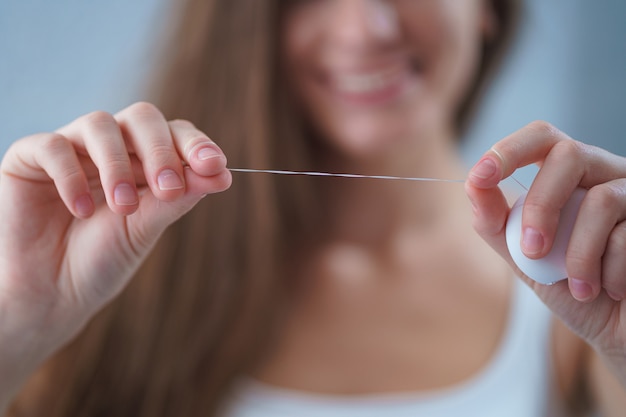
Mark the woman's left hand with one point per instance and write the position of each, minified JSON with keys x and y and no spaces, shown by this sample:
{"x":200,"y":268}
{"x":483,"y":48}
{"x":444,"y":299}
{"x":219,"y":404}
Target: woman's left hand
{"x":592,"y":302}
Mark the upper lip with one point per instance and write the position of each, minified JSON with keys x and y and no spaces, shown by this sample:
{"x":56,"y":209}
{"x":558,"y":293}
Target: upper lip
{"x":386,"y":71}
{"x":361,"y":80}
{"x":382,"y":69}
{"x":369,"y":77}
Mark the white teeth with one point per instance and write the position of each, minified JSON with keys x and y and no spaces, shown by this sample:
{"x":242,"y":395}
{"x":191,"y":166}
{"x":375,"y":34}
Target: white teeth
{"x":366,"y":83}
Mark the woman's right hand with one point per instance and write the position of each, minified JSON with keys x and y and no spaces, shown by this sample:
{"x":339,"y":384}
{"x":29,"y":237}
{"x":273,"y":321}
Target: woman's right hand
{"x":81,"y":208}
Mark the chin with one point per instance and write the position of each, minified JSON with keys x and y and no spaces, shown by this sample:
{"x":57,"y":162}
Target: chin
{"x":367,"y":145}
{"x":367,"y":137}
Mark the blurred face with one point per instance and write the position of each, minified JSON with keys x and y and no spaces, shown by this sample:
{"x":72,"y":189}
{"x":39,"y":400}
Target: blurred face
{"x":374,"y":73}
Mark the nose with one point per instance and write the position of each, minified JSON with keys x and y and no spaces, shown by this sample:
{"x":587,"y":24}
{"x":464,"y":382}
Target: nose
{"x":363,"y":23}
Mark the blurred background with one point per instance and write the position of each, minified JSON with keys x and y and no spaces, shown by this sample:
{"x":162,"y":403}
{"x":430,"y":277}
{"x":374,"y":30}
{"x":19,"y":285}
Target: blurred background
{"x":62,"y":59}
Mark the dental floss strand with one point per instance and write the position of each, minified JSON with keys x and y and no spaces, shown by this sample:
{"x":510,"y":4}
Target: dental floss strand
{"x":343,"y":175}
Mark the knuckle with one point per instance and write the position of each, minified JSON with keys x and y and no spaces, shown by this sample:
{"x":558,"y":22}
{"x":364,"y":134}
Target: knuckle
{"x":54,"y":143}
{"x":546,"y":129}
{"x":144,"y":109}
{"x":23,"y":142}
{"x":26,"y":152}
{"x":70,"y":173}
{"x":193,"y":137}
{"x":534,"y":204}
{"x":537,"y":206}
{"x":182,"y":124}
{"x":486,"y":227}
{"x":578,"y":262}
{"x":617,"y":240}
{"x":119,"y":164}
{"x":613,"y":262}
{"x":163,"y":153}
{"x":55,"y":146}
{"x":189,"y":135}
{"x":481,"y":228}
{"x":604,"y":197}
{"x":569,"y":150}
{"x":98,"y":118}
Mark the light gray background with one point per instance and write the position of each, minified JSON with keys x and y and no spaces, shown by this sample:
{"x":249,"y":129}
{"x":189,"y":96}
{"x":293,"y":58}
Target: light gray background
{"x":60,"y":59}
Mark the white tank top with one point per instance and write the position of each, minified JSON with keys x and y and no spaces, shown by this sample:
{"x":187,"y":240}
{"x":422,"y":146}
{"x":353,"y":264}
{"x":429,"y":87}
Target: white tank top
{"x":517,"y":382}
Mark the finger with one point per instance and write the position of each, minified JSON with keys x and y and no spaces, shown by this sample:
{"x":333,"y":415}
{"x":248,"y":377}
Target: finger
{"x":100,"y":138}
{"x":197,"y":149}
{"x":147,"y":132}
{"x":490,"y":213}
{"x":51,"y":156}
{"x":531,"y":144}
{"x":614,"y":264}
{"x":524,"y":147}
{"x":562,"y":171}
{"x":95,"y":184}
{"x":201,"y":185}
{"x":91,"y":170}
{"x":155,"y":215}
{"x":595,"y":242}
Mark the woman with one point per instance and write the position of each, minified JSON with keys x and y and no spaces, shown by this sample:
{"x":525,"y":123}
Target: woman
{"x":342,"y":289}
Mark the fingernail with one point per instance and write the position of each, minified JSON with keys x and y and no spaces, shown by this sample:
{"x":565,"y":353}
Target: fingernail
{"x":207,"y":152}
{"x":614,"y":296}
{"x":485,"y":169}
{"x":124,"y":195}
{"x":84,"y":206}
{"x":168,"y":179}
{"x":532,"y":241}
{"x":581,"y":290}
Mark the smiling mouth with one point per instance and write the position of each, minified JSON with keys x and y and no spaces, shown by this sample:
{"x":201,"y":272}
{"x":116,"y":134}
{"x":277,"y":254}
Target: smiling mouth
{"x":367,"y":83}
{"x":372,"y":87}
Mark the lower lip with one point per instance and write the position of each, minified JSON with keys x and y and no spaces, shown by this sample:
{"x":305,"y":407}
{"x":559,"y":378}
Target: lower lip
{"x":379,"y":97}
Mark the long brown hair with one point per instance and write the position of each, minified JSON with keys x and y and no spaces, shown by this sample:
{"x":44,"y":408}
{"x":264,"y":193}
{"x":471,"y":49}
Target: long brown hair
{"x":206,"y":304}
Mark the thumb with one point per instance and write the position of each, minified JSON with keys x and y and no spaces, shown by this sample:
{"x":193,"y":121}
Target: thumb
{"x":153,"y":216}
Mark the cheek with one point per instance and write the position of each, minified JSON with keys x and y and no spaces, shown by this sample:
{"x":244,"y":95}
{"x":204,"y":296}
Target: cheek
{"x":450,"y":42}
{"x":302,"y":26}
{"x":298,"y":51}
